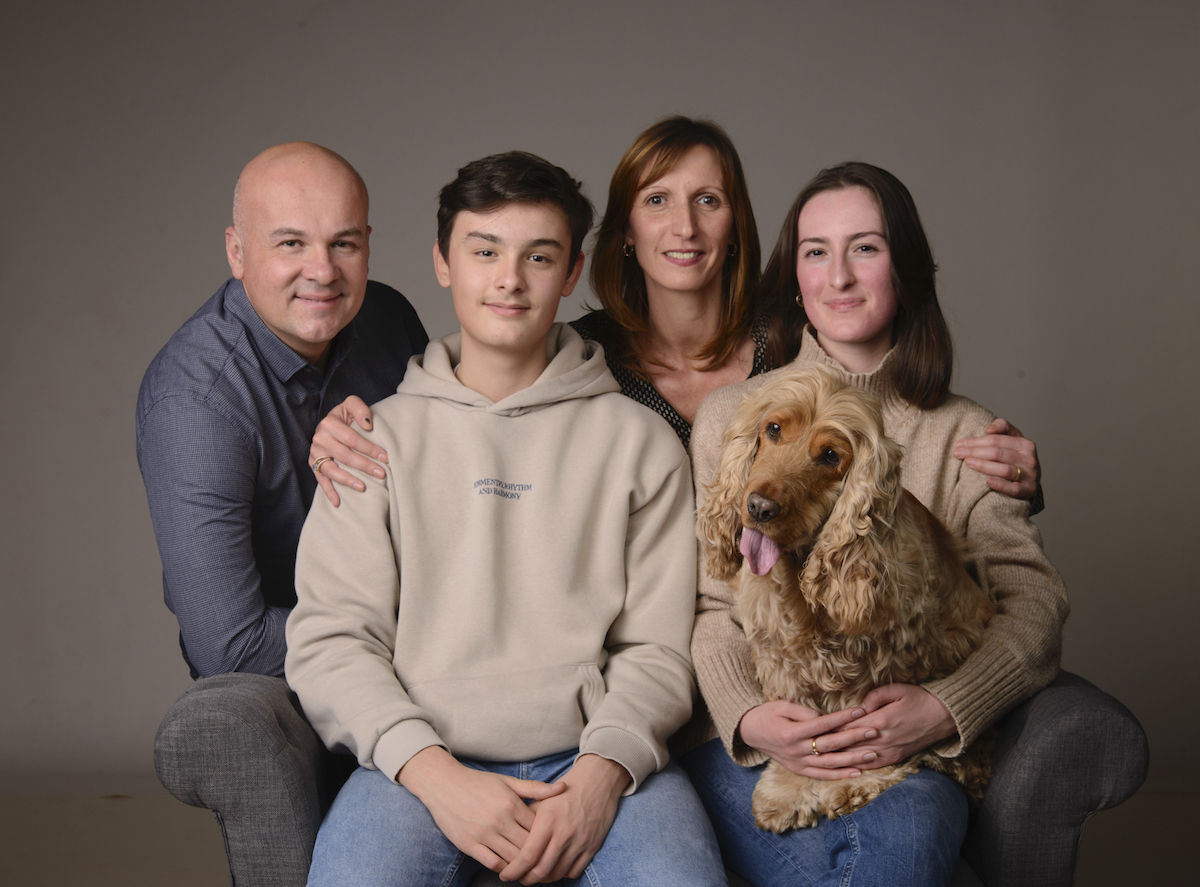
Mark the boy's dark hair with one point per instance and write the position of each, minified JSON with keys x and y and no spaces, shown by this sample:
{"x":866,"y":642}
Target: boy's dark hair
{"x":513,"y":177}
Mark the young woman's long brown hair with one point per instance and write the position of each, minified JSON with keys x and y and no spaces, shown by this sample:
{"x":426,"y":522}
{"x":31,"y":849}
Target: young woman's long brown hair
{"x":924,"y":359}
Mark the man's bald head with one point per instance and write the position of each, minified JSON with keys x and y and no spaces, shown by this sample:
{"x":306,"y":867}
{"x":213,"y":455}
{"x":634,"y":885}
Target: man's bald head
{"x":284,"y":159}
{"x":299,"y":243}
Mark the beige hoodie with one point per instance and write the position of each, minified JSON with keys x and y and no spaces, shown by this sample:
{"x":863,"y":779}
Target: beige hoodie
{"x":521,"y":583}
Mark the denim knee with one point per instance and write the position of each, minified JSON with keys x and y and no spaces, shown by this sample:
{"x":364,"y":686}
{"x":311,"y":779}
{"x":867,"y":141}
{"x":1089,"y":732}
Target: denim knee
{"x":910,"y":834}
{"x":661,"y":835}
{"x":378,"y":834}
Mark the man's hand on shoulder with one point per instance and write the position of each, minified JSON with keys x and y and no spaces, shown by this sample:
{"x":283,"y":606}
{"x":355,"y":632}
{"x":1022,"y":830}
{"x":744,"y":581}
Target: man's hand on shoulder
{"x":482,"y":814}
{"x":570,"y":828}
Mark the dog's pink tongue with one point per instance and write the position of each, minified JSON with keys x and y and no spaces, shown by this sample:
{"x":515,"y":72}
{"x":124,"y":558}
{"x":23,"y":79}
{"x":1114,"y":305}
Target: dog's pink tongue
{"x":760,"y":551}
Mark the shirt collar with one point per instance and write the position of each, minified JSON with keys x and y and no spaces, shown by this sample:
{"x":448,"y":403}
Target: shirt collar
{"x":283,"y":362}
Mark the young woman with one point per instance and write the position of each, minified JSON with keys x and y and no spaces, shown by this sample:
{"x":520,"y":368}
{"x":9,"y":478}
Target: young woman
{"x":675,"y":266}
{"x":853,"y":275}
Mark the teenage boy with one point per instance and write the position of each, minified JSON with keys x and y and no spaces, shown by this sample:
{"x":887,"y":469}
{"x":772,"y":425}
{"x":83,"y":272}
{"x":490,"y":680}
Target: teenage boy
{"x":504,"y":618}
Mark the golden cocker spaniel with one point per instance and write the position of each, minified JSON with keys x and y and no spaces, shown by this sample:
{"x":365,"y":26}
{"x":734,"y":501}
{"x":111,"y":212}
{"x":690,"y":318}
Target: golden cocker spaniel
{"x":845,"y":582}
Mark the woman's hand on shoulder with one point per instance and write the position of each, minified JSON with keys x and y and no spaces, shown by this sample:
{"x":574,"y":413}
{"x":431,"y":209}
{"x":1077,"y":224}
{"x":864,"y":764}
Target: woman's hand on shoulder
{"x":337,"y":443}
{"x":807,"y":743}
{"x":1008,"y":458}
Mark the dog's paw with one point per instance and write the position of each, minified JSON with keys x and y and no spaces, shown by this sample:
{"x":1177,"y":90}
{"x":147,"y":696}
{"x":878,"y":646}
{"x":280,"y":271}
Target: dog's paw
{"x":784,"y":800}
{"x":776,"y":817}
{"x":848,"y":798}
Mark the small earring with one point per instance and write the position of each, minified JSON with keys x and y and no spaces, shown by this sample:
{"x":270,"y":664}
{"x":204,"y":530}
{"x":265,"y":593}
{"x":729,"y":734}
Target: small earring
{"x":799,"y":301}
{"x":732,"y":251}
{"x":627,"y":249}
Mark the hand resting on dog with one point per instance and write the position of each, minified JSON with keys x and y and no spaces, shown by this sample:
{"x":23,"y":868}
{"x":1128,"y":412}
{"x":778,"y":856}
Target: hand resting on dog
{"x":785,"y":731}
{"x":894,"y":722}
{"x":908,"y":719}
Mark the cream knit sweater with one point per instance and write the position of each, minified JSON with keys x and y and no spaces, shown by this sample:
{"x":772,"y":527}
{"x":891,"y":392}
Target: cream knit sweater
{"x":1021,"y":646}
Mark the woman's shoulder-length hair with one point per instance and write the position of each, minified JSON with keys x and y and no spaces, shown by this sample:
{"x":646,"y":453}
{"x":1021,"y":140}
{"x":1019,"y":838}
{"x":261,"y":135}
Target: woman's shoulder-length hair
{"x":924,"y":358}
{"x":617,"y":279}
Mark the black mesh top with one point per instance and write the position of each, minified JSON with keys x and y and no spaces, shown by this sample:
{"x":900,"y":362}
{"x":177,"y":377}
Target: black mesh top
{"x":593,"y":326}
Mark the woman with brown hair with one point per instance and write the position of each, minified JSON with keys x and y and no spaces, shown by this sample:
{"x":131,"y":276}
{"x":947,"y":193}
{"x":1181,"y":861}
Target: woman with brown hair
{"x":852,"y":277}
{"x":676,"y":266}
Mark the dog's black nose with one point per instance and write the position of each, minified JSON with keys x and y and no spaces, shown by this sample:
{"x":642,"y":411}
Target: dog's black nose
{"x":761,"y":508}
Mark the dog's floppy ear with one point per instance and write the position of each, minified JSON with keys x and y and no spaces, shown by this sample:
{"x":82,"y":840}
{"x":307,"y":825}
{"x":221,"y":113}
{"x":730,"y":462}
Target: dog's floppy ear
{"x":719,"y":523}
{"x":843,"y":572}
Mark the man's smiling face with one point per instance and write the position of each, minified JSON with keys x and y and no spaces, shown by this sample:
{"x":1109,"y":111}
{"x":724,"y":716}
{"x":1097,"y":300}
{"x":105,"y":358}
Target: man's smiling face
{"x":300,"y":244}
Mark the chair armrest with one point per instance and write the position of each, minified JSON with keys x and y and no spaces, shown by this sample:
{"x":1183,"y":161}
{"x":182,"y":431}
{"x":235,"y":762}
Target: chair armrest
{"x":1066,"y":753}
{"x":238,"y":744}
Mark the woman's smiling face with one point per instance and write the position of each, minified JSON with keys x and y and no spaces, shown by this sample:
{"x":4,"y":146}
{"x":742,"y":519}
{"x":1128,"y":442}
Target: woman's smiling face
{"x":844,"y":268}
{"x":681,"y":226}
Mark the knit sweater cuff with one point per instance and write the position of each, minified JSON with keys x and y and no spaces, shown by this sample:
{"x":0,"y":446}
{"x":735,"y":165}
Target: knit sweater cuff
{"x":987,"y":685}
{"x":731,"y":689}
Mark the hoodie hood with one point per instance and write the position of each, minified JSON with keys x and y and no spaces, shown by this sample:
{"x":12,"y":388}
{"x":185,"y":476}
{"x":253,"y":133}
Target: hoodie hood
{"x":576,"y":369}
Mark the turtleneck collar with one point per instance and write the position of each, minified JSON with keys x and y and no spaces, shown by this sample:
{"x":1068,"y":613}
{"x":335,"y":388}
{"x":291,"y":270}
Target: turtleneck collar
{"x":879,"y":382}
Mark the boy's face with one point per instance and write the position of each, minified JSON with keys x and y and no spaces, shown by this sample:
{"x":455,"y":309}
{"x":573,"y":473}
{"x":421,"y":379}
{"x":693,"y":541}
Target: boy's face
{"x":507,"y":270}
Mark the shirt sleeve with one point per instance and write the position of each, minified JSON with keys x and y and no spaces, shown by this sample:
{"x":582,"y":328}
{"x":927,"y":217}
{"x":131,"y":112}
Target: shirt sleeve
{"x":648,"y":676}
{"x":199,"y":472}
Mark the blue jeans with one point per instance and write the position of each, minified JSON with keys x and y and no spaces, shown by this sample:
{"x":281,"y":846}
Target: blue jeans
{"x":909,"y":835}
{"x":377,"y":833}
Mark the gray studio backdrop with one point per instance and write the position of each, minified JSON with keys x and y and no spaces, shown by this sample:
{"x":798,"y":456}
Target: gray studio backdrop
{"x":1050,"y":146}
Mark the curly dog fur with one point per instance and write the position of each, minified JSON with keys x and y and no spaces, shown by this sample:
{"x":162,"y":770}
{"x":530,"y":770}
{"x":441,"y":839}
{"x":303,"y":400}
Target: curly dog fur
{"x":845,"y":581}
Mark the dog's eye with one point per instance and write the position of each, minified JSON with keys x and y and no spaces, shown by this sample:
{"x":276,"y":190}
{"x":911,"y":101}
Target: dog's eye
{"x":773,"y":430}
{"x":830,"y":456}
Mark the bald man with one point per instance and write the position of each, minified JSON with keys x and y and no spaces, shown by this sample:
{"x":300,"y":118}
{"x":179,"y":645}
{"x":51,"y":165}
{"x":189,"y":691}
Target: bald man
{"x":227,"y":409}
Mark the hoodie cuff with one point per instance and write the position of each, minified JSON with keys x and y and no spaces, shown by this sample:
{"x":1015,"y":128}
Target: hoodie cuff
{"x":622,"y":747}
{"x":398,"y":745}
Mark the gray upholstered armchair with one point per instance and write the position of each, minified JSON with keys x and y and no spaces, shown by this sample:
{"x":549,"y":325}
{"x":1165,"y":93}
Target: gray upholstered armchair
{"x":238,"y":745}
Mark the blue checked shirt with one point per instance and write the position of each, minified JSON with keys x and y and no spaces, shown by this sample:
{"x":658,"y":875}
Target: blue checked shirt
{"x":225,"y":415}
